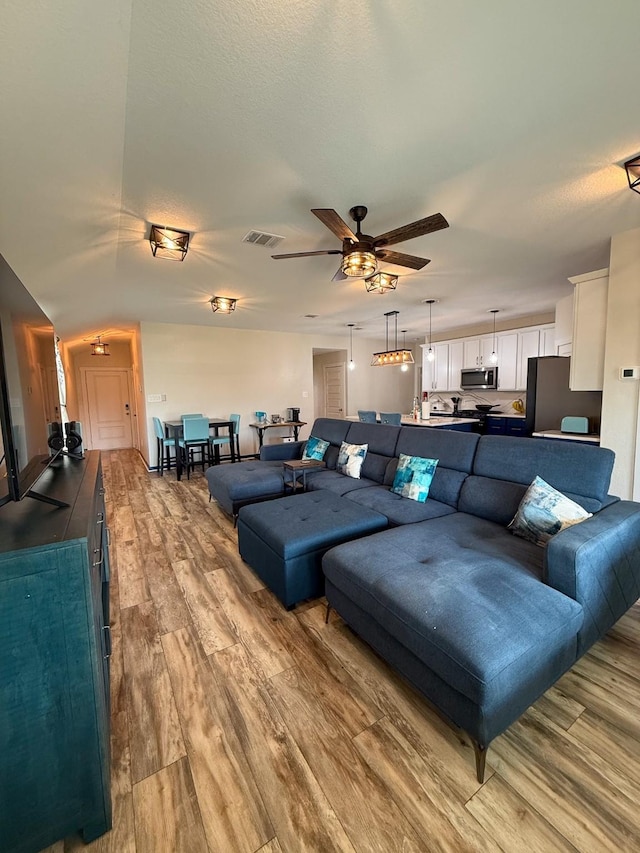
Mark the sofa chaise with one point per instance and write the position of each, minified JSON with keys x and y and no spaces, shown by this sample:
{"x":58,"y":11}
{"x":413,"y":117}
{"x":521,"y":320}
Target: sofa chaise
{"x":479,"y":620}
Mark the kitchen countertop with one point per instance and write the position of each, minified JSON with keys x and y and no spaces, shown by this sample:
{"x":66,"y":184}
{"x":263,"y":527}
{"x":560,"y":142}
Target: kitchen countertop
{"x":568,"y":436}
{"x":433,"y":421}
{"x":490,"y":414}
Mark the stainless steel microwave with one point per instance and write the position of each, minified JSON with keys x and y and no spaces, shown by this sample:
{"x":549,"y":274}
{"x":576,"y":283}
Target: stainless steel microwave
{"x":479,"y":379}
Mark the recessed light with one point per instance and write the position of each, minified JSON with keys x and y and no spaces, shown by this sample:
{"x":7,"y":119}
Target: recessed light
{"x":311,"y":316}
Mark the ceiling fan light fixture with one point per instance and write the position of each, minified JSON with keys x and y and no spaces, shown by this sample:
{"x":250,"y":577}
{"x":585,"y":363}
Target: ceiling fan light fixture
{"x":381,"y":282}
{"x":168,"y":243}
{"x":223,"y":304}
{"x":359,"y":263}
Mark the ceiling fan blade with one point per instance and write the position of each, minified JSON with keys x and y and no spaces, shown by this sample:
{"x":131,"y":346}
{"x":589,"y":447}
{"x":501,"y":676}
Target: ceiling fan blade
{"x":401,"y":259}
{"x":308,"y":254}
{"x":334,"y":222}
{"x":435,"y":222}
{"x":339,"y":276}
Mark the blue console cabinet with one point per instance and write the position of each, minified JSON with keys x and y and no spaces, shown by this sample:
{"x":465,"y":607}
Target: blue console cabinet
{"x":54,"y":662}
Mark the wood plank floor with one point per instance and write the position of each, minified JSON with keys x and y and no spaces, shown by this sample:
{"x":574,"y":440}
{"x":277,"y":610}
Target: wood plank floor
{"x":237,"y":726}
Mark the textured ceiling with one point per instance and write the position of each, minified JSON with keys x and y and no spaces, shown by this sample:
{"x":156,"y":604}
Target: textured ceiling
{"x":511,"y":119}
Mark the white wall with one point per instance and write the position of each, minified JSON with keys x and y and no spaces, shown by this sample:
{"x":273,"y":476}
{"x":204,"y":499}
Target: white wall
{"x":218,"y":371}
{"x":622,"y":349}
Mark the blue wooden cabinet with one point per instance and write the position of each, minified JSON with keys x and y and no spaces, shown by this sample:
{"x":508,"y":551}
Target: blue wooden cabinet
{"x":497,"y":425}
{"x":54,"y":662}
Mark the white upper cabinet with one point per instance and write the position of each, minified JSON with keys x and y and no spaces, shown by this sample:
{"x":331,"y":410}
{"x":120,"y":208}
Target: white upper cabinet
{"x":528,"y":347}
{"x":513,"y":348}
{"x":589,"y":327}
{"x":456,"y":358}
{"x":507,"y":361}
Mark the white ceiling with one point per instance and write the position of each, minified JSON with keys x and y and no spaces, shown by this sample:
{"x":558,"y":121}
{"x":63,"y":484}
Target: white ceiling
{"x":509,"y":118}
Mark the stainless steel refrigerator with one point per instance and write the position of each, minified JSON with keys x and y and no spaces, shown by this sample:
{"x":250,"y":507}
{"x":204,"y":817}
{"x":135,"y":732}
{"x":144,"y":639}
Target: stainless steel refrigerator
{"x":549,"y":398}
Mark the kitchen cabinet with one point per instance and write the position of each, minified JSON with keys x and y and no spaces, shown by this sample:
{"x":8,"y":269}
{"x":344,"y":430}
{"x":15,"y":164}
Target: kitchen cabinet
{"x":435,"y":374}
{"x":54,"y":667}
{"x":456,"y":356}
{"x":528,"y":347}
{"x":513,"y":349}
{"x":589,"y":327}
{"x":507,"y":361}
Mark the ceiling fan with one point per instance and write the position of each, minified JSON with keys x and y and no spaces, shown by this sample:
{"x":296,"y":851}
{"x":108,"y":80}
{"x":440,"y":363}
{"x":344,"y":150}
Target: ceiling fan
{"x":361,"y":252}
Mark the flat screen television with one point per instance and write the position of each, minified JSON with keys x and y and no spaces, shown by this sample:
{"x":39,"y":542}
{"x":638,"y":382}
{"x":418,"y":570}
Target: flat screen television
{"x":29,"y":391}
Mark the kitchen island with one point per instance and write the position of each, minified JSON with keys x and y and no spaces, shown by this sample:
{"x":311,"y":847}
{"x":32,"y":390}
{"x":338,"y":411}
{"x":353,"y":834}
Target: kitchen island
{"x":460,"y":424}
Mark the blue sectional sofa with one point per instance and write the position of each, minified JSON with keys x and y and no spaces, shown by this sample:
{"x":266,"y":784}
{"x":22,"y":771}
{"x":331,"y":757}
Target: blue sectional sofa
{"x":480,"y":621}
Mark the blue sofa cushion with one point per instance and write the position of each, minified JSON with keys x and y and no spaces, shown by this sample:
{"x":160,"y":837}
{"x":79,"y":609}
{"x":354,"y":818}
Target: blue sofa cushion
{"x":413,"y":477}
{"x":243,"y":481}
{"x":398,"y":510}
{"x":454,"y":452}
{"x":543,"y":512}
{"x":462,"y":594}
{"x":581,"y":471}
{"x":337,"y":483}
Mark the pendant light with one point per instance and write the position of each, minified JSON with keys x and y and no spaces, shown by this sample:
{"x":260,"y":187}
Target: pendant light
{"x":405,"y":366}
{"x":494,"y":355}
{"x":394,"y":356}
{"x":430,"y":353}
{"x":352,"y":365}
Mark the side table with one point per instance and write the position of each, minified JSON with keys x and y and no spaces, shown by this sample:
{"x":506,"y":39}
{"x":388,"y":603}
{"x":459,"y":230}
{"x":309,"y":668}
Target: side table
{"x":297,"y":466}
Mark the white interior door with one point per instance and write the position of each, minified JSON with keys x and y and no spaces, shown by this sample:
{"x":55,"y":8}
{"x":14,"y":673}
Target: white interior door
{"x":334,"y":391}
{"x":108,"y":396}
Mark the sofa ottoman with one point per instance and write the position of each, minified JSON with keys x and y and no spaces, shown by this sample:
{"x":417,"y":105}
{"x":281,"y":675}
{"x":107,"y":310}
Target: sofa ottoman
{"x":284,"y":540}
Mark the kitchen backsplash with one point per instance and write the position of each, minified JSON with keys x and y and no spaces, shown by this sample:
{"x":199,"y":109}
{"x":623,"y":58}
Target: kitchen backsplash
{"x":502,"y":399}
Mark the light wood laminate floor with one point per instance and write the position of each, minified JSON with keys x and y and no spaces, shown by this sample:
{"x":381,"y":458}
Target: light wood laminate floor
{"x":238,"y":726}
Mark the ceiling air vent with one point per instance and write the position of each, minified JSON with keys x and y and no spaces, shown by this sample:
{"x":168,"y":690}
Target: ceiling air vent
{"x":261,"y":238}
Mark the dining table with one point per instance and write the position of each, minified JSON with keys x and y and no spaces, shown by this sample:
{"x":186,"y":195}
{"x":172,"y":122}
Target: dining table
{"x":173,"y":429}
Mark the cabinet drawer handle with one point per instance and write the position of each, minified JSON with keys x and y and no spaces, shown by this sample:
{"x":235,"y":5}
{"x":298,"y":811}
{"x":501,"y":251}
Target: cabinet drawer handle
{"x":108,"y":536}
{"x":107,"y":640}
{"x":100,"y":561}
{"x":100,"y":519}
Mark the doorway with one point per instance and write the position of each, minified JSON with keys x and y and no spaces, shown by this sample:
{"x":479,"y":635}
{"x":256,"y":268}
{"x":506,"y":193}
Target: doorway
{"x":334,"y":390}
{"x":108,"y":397}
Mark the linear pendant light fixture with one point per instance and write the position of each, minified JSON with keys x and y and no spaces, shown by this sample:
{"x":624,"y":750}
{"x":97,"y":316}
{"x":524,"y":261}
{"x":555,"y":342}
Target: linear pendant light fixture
{"x":494,"y":355}
{"x":394,"y":356}
{"x":168,"y":243}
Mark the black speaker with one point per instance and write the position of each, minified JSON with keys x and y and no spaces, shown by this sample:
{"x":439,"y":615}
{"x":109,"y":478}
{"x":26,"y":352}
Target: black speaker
{"x":56,"y":438}
{"x":73,"y":430}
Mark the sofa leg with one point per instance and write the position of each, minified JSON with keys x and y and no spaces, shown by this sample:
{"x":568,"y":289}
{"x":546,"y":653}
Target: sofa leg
{"x":326,"y":616}
{"x":481,"y":757}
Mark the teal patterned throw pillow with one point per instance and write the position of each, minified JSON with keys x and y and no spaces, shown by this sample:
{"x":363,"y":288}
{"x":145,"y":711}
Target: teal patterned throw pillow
{"x":543,"y":512}
{"x":413,"y":477}
{"x":350,"y":459}
{"x":315,"y":448}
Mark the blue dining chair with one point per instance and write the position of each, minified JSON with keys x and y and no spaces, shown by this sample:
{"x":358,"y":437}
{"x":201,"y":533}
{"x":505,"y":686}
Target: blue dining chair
{"x":194,"y":415}
{"x":366,"y":417}
{"x":390,"y":418}
{"x":218,"y":441}
{"x":195,"y":440}
{"x":163,"y":444}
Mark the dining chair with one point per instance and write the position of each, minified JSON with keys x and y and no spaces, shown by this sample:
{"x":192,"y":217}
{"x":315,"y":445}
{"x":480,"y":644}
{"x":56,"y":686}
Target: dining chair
{"x":391,"y":418}
{"x":163,"y":444}
{"x":195,"y":439}
{"x":195,"y":415}
{"x":218,"y":441}
{"x":366,"y":417}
